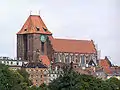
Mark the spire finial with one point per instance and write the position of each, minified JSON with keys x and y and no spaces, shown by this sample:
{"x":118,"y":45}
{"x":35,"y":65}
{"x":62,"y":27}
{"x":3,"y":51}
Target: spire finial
{"x":39,"y":12}
{"x":30,"y":12}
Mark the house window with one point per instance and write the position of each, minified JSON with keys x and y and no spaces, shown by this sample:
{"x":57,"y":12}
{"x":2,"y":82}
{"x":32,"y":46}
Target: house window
{"x":31,"y":76}
{"x":7,"y":62}
{"x":11,"y":63}
{"x":17,"y":63}
{"x":37,"y":70}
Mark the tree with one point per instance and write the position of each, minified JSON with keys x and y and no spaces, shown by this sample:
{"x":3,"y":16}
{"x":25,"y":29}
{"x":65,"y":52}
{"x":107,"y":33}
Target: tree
{"x":11,"y":80}
{"x":73,"y":81}
{"x":114,"y":83}
{"x":41,"y":87}
{"x":25,"y":76}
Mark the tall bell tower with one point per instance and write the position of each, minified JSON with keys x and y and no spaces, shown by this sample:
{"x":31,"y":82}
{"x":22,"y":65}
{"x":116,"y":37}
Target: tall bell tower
{"x":32,"y":37}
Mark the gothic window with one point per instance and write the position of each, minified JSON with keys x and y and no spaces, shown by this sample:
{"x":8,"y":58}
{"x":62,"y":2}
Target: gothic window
{"x":63,"y":56}
{"x":76,"y":57}
{"x":66,"y":59}
{"x":56,"y":57}
{"x":87,"y":59}
{"x":72,"y":58}
{"x":82,"y":60}
{"x":42,"y":47}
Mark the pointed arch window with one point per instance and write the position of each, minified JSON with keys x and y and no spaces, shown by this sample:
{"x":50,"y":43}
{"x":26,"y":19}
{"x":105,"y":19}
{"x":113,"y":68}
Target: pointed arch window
{"x":66,"y":59}
{"x":56,"y":57}
{"x":82,"y":60}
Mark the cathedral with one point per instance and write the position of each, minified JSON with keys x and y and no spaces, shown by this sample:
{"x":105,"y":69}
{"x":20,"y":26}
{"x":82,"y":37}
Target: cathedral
{"x":46,"y":55}
{"x":35,"y":37}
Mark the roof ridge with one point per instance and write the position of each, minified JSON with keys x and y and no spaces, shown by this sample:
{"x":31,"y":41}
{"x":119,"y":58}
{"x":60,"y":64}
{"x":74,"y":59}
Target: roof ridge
{"x":71,"y":39}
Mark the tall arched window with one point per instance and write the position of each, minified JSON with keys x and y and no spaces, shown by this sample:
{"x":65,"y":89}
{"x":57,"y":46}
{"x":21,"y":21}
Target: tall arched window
{"x":66,"y":59}
{"x":63,"y":56}
{"x":82,"y":60}
{"x":56,"y":57}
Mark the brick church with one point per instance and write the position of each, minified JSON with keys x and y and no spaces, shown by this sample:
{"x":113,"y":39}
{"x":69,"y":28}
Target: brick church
{"x":36,"y":43}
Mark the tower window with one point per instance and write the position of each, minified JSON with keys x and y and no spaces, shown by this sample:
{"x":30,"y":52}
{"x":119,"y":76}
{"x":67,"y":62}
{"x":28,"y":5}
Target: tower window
{"x":45,"y":29}
{"x":42,"y":48}
{"x":38,"y":29}
{"x":25,"y":29}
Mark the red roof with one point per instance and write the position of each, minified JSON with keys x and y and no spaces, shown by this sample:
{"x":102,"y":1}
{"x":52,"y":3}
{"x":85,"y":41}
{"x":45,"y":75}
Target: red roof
{"x":74,"y":46}
{"x":32,"y":23}
{"x":45,"y":60}
{"x":107,"y":70}
{"x":104,"y":62}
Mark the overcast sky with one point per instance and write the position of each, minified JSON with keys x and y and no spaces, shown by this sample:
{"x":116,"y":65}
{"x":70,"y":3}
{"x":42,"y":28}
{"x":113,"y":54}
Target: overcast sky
{"x":78,"y":19}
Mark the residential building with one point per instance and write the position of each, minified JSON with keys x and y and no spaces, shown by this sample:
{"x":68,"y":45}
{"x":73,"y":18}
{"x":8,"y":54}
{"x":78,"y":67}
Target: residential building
{"x":38,"y":73}
{"x":12,"y":63}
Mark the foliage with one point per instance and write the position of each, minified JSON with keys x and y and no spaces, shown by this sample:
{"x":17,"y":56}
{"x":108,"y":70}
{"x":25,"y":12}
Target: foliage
{"x":25,"y":75}
{"x":42,"y":87}
{"x":11,"y":80}
{"x":114,"y":83}
{"x":70,"y":80}
{"x":73,"y":81}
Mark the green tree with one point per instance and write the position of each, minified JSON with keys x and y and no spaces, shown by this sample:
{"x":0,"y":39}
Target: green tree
{"x":25,"y":76}
{"x":11,"y":80}
{"x":73,"y":81}
{"x":114,"y":83}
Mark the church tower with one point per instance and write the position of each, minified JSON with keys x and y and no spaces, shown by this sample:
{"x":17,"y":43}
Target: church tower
{"x":33,"y":37}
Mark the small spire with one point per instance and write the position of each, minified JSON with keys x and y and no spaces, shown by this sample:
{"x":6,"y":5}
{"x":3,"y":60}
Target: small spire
{"x":39,"y":12}
{"x":30,"y":12}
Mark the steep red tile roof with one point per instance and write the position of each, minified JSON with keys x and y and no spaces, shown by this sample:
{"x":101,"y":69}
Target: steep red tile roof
{"x":107,"y":70}
{"x":32,"y":23}
{"x":45,"y":60}
{"x":74,"y":46}
{"x":106,"y":65}
{"x":104,"y":62}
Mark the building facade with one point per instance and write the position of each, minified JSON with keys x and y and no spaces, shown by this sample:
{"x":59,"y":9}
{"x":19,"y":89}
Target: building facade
{"x":38,"y":73}
{"x":34,"y":35}
{"x":35,"y":44}
{"x":14,"y":64}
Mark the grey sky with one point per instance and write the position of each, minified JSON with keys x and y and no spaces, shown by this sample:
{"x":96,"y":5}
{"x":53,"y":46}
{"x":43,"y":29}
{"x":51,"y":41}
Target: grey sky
{"x":79,"y":19}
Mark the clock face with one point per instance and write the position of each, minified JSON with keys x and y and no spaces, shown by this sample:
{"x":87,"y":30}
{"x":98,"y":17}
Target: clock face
{"x":43,"y":38}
